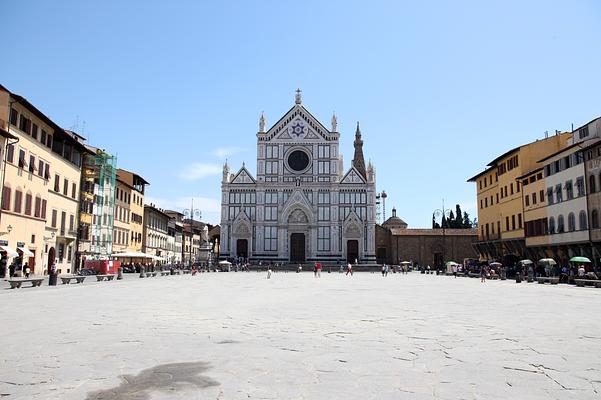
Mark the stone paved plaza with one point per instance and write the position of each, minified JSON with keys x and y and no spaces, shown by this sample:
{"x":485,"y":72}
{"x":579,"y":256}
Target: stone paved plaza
{"x":241,"y":336}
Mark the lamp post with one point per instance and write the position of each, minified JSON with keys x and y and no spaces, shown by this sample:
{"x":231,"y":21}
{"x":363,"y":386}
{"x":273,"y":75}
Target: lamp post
{"x":444,"y":214}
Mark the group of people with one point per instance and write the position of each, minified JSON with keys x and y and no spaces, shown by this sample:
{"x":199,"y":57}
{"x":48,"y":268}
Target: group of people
{"x":15,"y":269}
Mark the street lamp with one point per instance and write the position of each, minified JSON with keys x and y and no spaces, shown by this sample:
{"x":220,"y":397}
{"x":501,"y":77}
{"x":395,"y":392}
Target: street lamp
{"x":443,"y":214}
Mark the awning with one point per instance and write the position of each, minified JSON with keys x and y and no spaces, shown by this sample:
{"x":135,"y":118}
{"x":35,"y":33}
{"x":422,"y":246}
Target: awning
{"x":10,"y":252}
{"x":131,"y":254}
{"x":26,"y":251}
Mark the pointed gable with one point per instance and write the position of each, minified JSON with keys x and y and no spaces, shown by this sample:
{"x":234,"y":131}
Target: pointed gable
{"x":353,"y":176}
{"x":243,"y":176}
{"x":298,"y":123}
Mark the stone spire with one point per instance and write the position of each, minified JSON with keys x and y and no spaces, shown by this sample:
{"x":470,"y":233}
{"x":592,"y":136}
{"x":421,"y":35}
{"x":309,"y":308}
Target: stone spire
{"x":334,"y":123}
{"x":262,"y":123}
{"x":297,"y":97}
{"x":358,"y":161}
{"x":226,"y":172}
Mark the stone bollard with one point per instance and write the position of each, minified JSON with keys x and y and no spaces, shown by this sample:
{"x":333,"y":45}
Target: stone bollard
{"x":142,"y":271}
{"x":119,"y":273}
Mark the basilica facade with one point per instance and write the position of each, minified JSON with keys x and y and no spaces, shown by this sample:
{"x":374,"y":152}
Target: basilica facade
{"x":302,"y":205}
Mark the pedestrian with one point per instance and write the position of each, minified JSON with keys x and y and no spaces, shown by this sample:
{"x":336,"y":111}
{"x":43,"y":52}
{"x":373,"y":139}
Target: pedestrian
{"x":386,"y":270}
{"x":483,"y":273}
{"x":269,"y":272}
{"x":383,"y":269}
{"x":349,"y":269}
{"x":11,"y":269}
{"x":455,"y":270}
{"x":26,"y":270}
{"x":318,"y":269}
{"x":581,"y":271}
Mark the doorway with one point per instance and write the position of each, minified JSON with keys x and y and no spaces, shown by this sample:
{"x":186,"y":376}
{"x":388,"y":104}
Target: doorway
{"x":297,"y":247}
{"x":51,"y":257}
{"x":352,"y":251}
{"x":242,"y":248}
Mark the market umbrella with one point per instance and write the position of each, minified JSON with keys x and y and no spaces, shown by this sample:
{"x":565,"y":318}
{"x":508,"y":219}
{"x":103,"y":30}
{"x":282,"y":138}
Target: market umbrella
{"x":225,"y":263}
{"x":546,"y":261}
{"x":451,"y":263}
{"x":525,"y":262}
{"x":579,"y":259}
{"x":406,"y":263}
{"x":496,"y":264}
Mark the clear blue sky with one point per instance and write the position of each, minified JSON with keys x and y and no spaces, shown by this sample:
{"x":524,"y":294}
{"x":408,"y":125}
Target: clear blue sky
{"x":440,"y":89}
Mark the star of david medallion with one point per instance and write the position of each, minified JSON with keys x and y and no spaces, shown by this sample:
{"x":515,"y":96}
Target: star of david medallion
{"x":298,"y":130}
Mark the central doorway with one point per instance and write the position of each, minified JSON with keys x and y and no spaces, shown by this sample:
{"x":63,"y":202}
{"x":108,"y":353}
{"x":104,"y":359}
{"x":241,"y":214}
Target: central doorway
{"x":242,"y":248}
{"x":352,"y":251}
{"x":297,"y":247}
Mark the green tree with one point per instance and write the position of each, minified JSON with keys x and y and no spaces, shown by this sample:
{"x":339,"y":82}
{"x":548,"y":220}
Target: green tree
{"x":451,"y":220}
{"x":467,"y":222}
{"x":458,"y":217}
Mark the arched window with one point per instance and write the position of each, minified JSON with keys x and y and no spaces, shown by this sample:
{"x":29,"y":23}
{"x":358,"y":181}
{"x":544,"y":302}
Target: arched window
{"x":18,"y":201}
{"x":560,"y":224}
{"x":582,"y":220}
{"x":28,"y":203}
{"x":37,"y":208}
{"x":571,"y":222}
{"x":6,"y":197}
{"x":551,"y":225}
{"x":595,"y":218}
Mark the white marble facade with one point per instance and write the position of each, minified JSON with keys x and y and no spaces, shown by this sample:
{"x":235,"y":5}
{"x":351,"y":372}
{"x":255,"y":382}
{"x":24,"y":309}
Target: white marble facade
{"x":302,"y":206}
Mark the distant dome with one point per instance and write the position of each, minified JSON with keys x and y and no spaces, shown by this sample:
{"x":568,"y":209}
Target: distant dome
{"x":394,"y":222}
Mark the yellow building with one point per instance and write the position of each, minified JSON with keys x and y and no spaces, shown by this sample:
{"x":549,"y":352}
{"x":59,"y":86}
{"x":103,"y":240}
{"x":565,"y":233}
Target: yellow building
{"x":130,"y":215}
{"x":499,"y":198}
{"x":536,"y":227}
{"x":40,"y":193}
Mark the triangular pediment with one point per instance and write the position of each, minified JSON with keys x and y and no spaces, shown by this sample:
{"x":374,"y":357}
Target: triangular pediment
{"x":353,"y":176}
{"x":243,"y":176}
{"x":352,"y":225}
{"x":297,"y":200}
{"x":297,"y":124}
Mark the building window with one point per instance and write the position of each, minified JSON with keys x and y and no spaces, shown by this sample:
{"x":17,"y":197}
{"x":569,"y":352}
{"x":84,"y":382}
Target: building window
{"x":28,"y":201}
{"x":22,"y":159}
{"x":571,"y":222}
{"x":6,"y":198}
{"x":65,"y":186}
{"x":18,"y":201}
{"x":513,"y":222}
{"x":550,"y":195}
{"x":507,"y":223}
{"x":54,"y":217}
{"x":271,"y":213}
{"x":73,"y":190}
{"x":595,"y":218}
{"x":271,"y":238}
{"x":541,"y":196}
{"x":44,"y":203}
{"x":534,"y":198}
{"x":569,"y":190}
{"x":10,"y":153}
{"x":582,"y":220}
{"x":560,"y":224}
{"x":580,"y":186}
{"x":323,"y":167}
{"x":57,"y":185}
{"x":558,"y":193}
{"x":31,"y":163}
{"x":519,"y":221}
{"x":591,"y":184}
{"x":13,"y":116}
{"x":323,"y":213}
{"x":551,"y":225}
{"x":527,"y":200}
{"x":323,"y":238}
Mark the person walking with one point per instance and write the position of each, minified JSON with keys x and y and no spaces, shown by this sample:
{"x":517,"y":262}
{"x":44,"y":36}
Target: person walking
{"x":269,"y":272}
{"x":455,"y":270}
{"x":318,"y":269}
{"x":349,"y":269}
{"x":383,"y":270}
{"x":26,"y":270}
{"x":483,"y":273}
